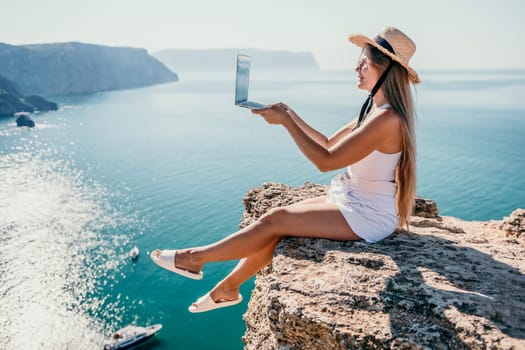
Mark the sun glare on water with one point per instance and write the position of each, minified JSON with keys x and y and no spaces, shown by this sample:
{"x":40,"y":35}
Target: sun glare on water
{"x":54,"y":255}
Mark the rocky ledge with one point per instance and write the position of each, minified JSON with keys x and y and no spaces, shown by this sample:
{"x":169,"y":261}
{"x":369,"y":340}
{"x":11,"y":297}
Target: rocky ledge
{"x":12,"y":101}
{"x":444,"y":284}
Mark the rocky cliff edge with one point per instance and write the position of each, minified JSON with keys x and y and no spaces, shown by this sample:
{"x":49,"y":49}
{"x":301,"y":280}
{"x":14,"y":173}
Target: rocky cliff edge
{"x":79,"y":68}
{"x":444,"y":284}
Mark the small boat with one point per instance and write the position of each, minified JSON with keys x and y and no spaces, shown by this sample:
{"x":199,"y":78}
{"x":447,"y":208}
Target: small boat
{"x":134,"y":253}
{"x":130,"y":336}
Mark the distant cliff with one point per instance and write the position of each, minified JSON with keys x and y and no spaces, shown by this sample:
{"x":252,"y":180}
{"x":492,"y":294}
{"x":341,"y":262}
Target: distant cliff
{"x":12,"y":101}
{"x":77,"y":68}
{"x":224,"y":59}
{"x":446,"y":284}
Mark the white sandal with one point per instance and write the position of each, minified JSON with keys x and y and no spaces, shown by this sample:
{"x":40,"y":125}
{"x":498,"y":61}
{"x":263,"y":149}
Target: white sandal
{"x":206,"y":303}
{"x":166,"y":259}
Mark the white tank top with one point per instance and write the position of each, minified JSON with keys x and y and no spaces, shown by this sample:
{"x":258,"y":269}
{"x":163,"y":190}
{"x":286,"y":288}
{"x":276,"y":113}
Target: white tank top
{"x":376,"y":166}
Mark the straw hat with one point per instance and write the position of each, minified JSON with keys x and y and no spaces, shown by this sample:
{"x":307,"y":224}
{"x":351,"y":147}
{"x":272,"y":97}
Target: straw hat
{"x":402,"y":45}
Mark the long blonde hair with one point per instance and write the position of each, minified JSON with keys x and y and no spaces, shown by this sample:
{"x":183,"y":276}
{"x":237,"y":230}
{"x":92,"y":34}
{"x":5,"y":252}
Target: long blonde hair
{"x":396,"y":89}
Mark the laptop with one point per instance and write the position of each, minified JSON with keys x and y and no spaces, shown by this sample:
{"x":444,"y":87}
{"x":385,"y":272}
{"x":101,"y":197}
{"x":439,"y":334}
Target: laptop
{"x":242,"y":83}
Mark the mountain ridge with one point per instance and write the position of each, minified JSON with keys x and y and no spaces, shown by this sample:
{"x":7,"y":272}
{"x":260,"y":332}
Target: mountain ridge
{"x":182,"y":60}
{"x":12,"y":101}
{"x":76,"y":68}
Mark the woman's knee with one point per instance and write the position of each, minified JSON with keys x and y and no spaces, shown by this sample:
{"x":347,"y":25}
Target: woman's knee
{"x":275,"y":220}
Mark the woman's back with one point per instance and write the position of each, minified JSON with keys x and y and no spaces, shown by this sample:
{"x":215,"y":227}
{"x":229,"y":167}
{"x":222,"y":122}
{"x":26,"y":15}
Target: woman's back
{"x":377,"y":166}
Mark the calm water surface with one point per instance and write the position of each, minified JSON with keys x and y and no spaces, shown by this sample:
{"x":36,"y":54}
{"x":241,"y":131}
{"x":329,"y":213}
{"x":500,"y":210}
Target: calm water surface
{"x":167,"y":166}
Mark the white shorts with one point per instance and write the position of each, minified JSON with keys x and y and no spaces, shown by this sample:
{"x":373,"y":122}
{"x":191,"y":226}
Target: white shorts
{"x":368,"y":207}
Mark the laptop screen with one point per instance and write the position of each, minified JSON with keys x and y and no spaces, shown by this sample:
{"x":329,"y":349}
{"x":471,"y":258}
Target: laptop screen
{"x":243,"y":78}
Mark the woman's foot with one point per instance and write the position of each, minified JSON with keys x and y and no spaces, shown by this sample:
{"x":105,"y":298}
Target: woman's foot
{"x":224,"y":292}
{"x":219,"y":297}
{"x":184,"y":259}
{"x":178,"y":261}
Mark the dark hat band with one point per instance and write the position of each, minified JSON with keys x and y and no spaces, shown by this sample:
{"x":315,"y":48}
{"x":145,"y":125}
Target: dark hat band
{"x":384,"y":43}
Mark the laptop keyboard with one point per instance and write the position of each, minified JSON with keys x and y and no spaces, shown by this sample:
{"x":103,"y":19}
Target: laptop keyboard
{"x":252,"y":105}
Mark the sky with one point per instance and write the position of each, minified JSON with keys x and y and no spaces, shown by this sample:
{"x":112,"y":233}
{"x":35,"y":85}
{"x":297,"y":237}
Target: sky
{"x":449,"y":34}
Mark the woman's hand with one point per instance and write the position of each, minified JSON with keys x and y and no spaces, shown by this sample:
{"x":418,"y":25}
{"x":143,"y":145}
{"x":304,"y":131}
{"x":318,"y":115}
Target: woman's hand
{"x":277,"y":113}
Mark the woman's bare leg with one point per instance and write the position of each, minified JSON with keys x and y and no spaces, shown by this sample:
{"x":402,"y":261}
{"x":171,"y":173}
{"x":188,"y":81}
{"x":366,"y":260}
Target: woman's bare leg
{"x":316,"y":220}
{"x":187,"y":258}
{"x":295,"y":220}
{"x":228,"y":288}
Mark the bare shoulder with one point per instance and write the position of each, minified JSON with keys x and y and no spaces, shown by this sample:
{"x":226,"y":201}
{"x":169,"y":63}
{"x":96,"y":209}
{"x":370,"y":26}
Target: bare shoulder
{"x":386,"y":119}
{"x":386,"y":128}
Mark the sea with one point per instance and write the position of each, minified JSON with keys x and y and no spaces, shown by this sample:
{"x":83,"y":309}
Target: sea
{"x":167,"y":166}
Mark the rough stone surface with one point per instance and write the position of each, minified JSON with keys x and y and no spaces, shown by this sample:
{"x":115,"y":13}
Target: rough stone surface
{"x":426,"y":208}
{"x":514,"y":225}
{"x":444,"y":284}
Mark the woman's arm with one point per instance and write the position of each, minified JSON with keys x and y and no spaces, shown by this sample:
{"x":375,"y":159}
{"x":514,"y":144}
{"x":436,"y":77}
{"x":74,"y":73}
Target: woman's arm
{"x":307,"y":129}
{"x":344,"y":148}
{"x":316,"y":135}
{"x":341,"y":133}
{"x":319,"y":137}
{"x":313,"y":133}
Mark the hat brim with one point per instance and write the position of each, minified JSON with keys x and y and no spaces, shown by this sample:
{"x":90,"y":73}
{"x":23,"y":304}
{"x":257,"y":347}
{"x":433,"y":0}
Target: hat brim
{"x":362,"y":40}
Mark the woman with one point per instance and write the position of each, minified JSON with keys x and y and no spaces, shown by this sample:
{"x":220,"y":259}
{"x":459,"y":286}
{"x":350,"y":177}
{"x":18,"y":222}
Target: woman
{"x":368,"y":201}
